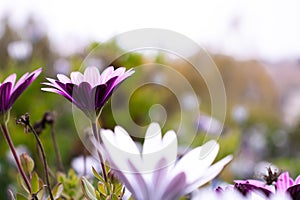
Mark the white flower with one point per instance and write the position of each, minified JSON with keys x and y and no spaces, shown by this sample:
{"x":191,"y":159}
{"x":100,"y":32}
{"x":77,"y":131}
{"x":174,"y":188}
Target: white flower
{"x":155,"y":173}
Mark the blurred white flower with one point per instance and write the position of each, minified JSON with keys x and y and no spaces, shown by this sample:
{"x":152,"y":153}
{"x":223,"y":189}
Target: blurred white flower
{"x":155,"y":173}
{"x":19,"y":149}
{"x":209,"y":125}
{"x":84,"y":166}
{"x":19,"y":50}
{"x":239,"y":114}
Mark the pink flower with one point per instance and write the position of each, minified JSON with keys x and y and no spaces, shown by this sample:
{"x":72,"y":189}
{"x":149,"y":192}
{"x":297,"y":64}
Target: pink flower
{"x":286,"y":183}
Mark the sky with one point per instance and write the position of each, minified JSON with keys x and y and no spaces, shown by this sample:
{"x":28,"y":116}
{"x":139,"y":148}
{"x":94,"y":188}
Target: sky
{"x":264,"y":29}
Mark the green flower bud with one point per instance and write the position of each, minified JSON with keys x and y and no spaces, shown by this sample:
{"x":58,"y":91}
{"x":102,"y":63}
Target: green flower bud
{"x":27,"y":163}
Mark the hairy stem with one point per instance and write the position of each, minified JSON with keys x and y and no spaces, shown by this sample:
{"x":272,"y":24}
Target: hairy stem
{"x":96,"y":135}
{"x":44,"y":160}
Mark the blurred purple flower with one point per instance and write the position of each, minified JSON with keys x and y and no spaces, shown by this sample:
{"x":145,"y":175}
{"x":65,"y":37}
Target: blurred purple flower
{"x":155,"y":172}
{"x":88,"y":91}
{"x":283,"y":184}
{"x":9,"y":91}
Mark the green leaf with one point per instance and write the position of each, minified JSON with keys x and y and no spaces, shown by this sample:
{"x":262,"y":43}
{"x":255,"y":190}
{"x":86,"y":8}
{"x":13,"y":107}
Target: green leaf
{"x":35,"y":186}
{"x":57,"y":190}
{"x":41,"y":192}
{"x":21,"y":197}
{"x":22,"y":183}
{"x":88,"y":189}
{"x":102,"y":188}
{"x":97,"y":175}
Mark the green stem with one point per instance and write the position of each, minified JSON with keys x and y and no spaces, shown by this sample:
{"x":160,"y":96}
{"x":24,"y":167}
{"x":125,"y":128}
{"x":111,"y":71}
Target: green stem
{"x":58,"y":157}
{"x":13,"y":150}
{"x":96,"y":135}
{"x":44,"y":160}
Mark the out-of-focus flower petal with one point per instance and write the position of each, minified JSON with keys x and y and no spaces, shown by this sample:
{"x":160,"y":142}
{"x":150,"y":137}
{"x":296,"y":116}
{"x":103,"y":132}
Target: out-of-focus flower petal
{"x":153,"y":174}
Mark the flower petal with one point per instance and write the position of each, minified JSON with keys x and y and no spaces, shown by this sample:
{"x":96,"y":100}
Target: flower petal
{"x":5,"y":90}
{"x":209,"y":174}
{"x":92,"y":76}
{"x":11,"y":79}
{"x":106,"y":75}
{"x":284,"y":182}
{"x":63,"y":78}
{"x":153,"y":140}
{"x":196,"y":162}
{"x":77,"y":78}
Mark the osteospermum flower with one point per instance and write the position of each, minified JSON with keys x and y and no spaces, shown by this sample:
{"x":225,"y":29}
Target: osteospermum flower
{"x":10,"y":91}
{"x":88,"y":91}
{"x":284,"y":184}
{"x":232,"y":194}
{"x":155,"y":172}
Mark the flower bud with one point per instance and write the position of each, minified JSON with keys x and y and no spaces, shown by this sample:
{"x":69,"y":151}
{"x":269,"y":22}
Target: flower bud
{"x":27,"y":163}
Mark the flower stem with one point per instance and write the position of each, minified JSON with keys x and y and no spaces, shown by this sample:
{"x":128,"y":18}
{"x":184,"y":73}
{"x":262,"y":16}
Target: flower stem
{"x":58,"y":157}
{"x":44,"y":160}
{"x":96,"y":135}
{"x":13,"y":150}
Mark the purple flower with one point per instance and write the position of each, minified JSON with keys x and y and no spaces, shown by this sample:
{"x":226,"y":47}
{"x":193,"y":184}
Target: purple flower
{"x":285,"y":181}
{"x":88,"y":91}
{"x":283,"y":184}
{"x":287,"y":184}
{"x":10,"y":91}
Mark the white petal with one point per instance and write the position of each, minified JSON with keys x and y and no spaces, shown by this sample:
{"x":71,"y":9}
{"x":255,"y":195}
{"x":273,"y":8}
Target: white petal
{"x":64,"y":79}
{"x":51,"y":90}
{"x":106,"y":74}
{"x":124,"y":141}
{"x":21,"y":80}
{"x":209,"y":174}
{"x":119,"y":72}
{"x":153,"y":139}
{"x":120,"y":149}
{"x":158,"y":149}
{"x":11,"y":78}
{"x":92,"y":76}
{"x":196,"y":162}
{"x":77,"y":78}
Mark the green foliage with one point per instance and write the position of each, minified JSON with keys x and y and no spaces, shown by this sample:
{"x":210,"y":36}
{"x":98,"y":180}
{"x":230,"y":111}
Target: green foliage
{"x":71,"y":185}
{"x":111,"y":189}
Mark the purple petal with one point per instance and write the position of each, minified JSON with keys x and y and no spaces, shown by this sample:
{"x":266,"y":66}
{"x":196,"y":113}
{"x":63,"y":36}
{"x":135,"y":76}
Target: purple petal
{"x":139,"y":181}
{"x":19,"y":90}
{"x":175,"y":187}
{"x":99,"y":94}
{"x":22,"y":84}
{"x":297,"y":181}
{"x":83,"y":95}
{"x":161,"y":171}
{"x":4,"y":96}
{"x":110,"y":84}
{"x":284,"y":182}
{"x":294,"y":191}
{"x":245,"y":188}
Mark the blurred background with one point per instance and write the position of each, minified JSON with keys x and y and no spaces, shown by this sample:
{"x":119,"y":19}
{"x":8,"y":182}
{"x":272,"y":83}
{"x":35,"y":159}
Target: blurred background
{"x":254,"y":44}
